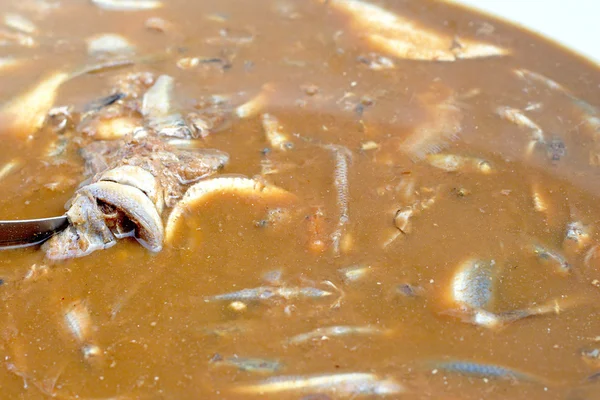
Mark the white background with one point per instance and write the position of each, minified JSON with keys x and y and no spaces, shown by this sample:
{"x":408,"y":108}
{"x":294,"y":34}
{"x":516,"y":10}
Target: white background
{"x":573,"y":23}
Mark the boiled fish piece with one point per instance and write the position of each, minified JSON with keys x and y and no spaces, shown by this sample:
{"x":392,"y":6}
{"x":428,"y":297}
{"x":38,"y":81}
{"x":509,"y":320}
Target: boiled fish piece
{"x":404,"y":38}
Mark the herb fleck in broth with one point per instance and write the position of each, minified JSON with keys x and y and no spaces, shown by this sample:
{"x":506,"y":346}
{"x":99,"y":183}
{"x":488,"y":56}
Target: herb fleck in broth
{"x":291,"y":199}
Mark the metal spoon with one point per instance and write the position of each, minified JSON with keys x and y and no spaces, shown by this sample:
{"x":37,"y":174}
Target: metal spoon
{"x":29,"y":232}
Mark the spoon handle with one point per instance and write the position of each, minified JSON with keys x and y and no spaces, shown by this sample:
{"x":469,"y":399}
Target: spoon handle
{"x":29,"y":232}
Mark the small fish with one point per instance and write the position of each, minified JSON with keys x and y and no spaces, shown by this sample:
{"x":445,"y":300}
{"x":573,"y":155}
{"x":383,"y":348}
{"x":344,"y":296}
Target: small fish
{"x":78,"y":320}
{"x":25,"y":114}
{"x":159,"y":110}
{"x":454,"y":163}
{"x":355,"y":272}
{"x":342,"y":385}
{"x":274,"y":133}
{"x":337,"y":331}
{"x":552,"y":258}
{"x":518,"y":118}
{"x":591,"y":114}
{"x":343,"y":157}
{"x":473,"y":284}
{"x":254,"y":365}
{"x":402,"y":37}
{"x":127,"y":5}
{"x":484,"y":370}
{"x":270,"y":292}
{"x":531,"y":76}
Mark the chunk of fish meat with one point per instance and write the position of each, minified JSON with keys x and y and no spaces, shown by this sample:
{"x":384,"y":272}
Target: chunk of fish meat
{"x":457,"y":163}
{"x":518,"y":118}
{"x":248,"y":364}
{"x":203,"y":190}
{"x":109,"y":44}
{"x":342,"y":385}
{"x":483,"y":370}
{"x":270,"y":293}
{"x":127,"y":5}
{"x":473,"y":284}
{"x":159,"y":111}
{"x":337,"y":331}
{"x":403,"y":38}
{"x":274,"y":132}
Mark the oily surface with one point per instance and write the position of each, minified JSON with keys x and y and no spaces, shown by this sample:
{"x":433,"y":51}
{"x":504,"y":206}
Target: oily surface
{"x":146,"y":325}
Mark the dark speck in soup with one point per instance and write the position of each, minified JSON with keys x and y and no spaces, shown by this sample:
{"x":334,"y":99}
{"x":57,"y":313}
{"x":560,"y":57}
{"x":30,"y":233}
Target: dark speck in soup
{"x":341,"y":199}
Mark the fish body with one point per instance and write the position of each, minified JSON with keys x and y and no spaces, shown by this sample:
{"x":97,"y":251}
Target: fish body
{"x":483,"y":370}
{"x":247,"y":364}
{"x":159,"y":111}
{"x":25,"y":114}
{"x":456,"y":163}
{"x":336,"y":331}
{"x":346,"y":385}
{"x":274,"y":132}
{"x":473,"y":284}
{"x":342,"y":157}
{"x":268,"y":293}
{"x":402,"y":37}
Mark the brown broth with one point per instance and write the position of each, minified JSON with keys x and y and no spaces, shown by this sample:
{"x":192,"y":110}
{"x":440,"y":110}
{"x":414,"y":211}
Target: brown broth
{"x":148,"y":313}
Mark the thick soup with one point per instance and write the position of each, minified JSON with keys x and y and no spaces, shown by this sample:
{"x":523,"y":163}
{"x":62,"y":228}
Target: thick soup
{"x":296,"y":200}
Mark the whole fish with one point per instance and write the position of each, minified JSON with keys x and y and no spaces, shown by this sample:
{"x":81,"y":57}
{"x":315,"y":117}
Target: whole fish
{"x":255,"y":365}
{"x":268,"y":293}
{"x":343,"y":385}
{"x":483,"y":370}
{"x":336,"y":331}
